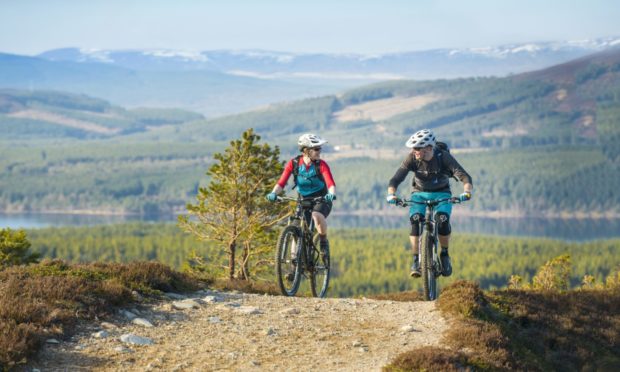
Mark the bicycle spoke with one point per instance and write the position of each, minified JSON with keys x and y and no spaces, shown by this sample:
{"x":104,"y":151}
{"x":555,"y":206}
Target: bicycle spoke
{"x":319,"y":278}
{"x":287,"y":272}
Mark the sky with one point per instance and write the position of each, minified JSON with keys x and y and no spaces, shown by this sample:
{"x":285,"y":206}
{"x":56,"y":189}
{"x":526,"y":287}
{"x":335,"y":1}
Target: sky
{"x":29,"y":27}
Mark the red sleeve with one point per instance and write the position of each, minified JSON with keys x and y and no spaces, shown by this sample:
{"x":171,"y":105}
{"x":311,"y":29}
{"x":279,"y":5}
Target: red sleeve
{"x":288,"y":169}
{"x":327,"y":174}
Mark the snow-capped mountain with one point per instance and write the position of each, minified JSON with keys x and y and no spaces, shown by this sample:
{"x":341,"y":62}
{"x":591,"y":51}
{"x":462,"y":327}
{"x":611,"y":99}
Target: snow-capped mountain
{"x":429,"y":64}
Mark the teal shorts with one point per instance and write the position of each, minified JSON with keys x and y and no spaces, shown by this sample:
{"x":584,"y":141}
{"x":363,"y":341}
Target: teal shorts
{"x":421,"y":196}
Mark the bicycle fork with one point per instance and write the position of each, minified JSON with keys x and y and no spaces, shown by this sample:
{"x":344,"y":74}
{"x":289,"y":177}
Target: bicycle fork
{"x":433,"y":238}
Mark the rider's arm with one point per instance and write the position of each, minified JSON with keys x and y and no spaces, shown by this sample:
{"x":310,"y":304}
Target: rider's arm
{"x":327,"y":176}
{"x":288,"y":170}
{"x":400,"y":175}
{"x":277,"y":189}
{"x":459,"y":172}
{"x":468,"y":187}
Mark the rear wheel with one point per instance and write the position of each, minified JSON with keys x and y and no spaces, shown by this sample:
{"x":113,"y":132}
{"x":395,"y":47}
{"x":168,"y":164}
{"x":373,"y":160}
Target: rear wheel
{"x":287,"y":253}
{"x":426,"y":262}
{"x":319,"y":276}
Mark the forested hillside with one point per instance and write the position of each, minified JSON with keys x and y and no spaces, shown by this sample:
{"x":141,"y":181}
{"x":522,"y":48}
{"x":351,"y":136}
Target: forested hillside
{"x":364,"y":261}
{"x":541,"y":143}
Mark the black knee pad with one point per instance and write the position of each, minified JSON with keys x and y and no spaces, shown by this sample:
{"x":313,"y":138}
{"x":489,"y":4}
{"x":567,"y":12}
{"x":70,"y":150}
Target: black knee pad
{"x":416,"y":220}
{"x":443,"y":223}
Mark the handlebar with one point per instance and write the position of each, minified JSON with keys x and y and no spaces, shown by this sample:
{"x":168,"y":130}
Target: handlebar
{"x":317,"y":199}
{"x":407,"y":203}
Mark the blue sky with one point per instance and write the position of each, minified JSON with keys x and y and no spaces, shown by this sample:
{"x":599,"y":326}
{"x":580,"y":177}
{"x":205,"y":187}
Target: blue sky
{"x":33,"y":26}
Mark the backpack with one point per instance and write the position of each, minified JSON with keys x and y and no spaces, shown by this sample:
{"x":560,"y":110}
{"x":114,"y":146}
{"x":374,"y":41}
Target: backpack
{"x":438,"y":152}
{"x":317,"y":166}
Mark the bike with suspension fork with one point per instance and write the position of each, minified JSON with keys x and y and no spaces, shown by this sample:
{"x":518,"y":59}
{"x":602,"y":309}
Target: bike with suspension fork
{"x":298,"y":252}
{"x":430,"y":262}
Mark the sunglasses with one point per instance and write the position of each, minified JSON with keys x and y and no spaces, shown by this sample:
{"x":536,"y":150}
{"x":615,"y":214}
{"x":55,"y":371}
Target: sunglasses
{"x":316,"y":149}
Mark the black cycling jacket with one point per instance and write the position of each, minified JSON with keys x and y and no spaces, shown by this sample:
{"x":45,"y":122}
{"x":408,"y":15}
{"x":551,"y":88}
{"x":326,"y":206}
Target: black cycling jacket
{"x":429,"y":175}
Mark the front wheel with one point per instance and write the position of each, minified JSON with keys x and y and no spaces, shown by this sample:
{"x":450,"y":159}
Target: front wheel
{"x":288,"y":252}
{"x":429,"y":279}
{"x":319,"y":276}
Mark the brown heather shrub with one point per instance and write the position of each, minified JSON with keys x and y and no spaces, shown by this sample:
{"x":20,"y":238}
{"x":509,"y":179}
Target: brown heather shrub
{"x":46,"y":300}
{"x":14,"y":339}
{"x":146,"y":276}
{"x":462,"y":298}
{"x":572,"y":330}
{"x":427,"y":358}
{"x":489,"y":348}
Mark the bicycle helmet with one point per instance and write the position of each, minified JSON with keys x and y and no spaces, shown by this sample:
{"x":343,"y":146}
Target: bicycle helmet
{"x":310,"y":140}
{"x":421,"y":138}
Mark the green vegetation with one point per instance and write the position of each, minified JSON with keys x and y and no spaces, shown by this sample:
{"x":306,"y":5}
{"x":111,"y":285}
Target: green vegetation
{"x":14,"y":248}
{"x":232,"y":211}
{"x":57,"y":115}
{"x":364,"y":261}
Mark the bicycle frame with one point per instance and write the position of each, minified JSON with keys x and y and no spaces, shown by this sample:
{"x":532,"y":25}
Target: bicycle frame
{"x":309,"y":260}
{"x":303,"y":216}
{"x":428,"y":239}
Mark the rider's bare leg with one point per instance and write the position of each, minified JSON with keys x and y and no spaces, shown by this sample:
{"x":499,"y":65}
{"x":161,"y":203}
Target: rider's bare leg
{"x":415,"y":244}
{"x":444,"y":240}
{"x":320,"y":222}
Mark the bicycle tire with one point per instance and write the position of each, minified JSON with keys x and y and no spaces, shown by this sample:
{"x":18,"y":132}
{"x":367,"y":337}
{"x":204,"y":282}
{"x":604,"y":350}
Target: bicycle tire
{"x":429,"y":281}
{"x":289,"y":238}
{"x":319,"y":276}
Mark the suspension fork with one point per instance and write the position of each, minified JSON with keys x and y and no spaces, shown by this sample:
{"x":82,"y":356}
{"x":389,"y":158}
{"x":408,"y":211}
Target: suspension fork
{"x":431,"y":225}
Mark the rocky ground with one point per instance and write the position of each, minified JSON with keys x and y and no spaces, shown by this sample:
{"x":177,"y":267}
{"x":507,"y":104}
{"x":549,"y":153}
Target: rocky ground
{"x":211,"y":331}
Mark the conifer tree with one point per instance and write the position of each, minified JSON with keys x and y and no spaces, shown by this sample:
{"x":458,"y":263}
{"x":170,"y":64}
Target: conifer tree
{"x":14,"y":249}
{"x":232,"y":210}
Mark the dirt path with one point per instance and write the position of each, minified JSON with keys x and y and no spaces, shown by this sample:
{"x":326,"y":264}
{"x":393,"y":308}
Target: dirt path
{"x":234,"y":331}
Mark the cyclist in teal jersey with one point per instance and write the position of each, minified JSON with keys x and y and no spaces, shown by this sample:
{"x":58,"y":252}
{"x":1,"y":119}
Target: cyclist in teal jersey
{"x":313,"y":178}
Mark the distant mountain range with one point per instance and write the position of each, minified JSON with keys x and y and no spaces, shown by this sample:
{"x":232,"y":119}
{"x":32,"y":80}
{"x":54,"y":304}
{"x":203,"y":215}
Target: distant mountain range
{"x":222,"y":82}
{"x":429,"y":64}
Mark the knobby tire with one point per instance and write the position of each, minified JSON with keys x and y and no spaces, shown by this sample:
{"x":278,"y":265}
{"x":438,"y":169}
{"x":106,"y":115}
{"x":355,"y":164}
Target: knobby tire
{"x":289,"y":238}
{"x":429,"y":281}
{"x":319,"y":276}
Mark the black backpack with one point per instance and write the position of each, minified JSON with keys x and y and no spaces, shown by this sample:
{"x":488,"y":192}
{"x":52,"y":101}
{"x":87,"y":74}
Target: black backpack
{"x":438,"y":152}
{"x":317,"y":166}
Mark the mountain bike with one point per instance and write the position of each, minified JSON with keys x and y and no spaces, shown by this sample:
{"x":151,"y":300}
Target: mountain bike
{"x":430,"y":263}
{"x":298,"y":252}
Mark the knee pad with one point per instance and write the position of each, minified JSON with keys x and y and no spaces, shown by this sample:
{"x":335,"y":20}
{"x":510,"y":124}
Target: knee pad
{"x":416,"y":220}
{"x":443,"y":223}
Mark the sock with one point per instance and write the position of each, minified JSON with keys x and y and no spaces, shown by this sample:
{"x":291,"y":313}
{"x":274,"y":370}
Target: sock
{"x":415,"y":257}
{"x":444,"y":250}
{"x":323,"y":237}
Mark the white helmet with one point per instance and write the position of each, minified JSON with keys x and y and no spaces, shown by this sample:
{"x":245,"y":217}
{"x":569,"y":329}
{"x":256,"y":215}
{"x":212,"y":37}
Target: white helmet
{"x":421,"y":138}
{"x":310,"y":140}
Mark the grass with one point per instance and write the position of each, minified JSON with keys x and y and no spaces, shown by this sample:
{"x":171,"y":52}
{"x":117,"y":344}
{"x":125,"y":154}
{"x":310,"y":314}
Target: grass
{"x":46,"y":300}
{"x":523,"y":330}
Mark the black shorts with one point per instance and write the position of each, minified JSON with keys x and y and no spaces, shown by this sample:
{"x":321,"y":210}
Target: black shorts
{"x":323,"y":207}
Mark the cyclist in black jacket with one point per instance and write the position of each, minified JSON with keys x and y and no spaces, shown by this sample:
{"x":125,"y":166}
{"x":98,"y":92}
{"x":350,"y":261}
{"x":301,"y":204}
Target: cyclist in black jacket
{"x":432,"y":168}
